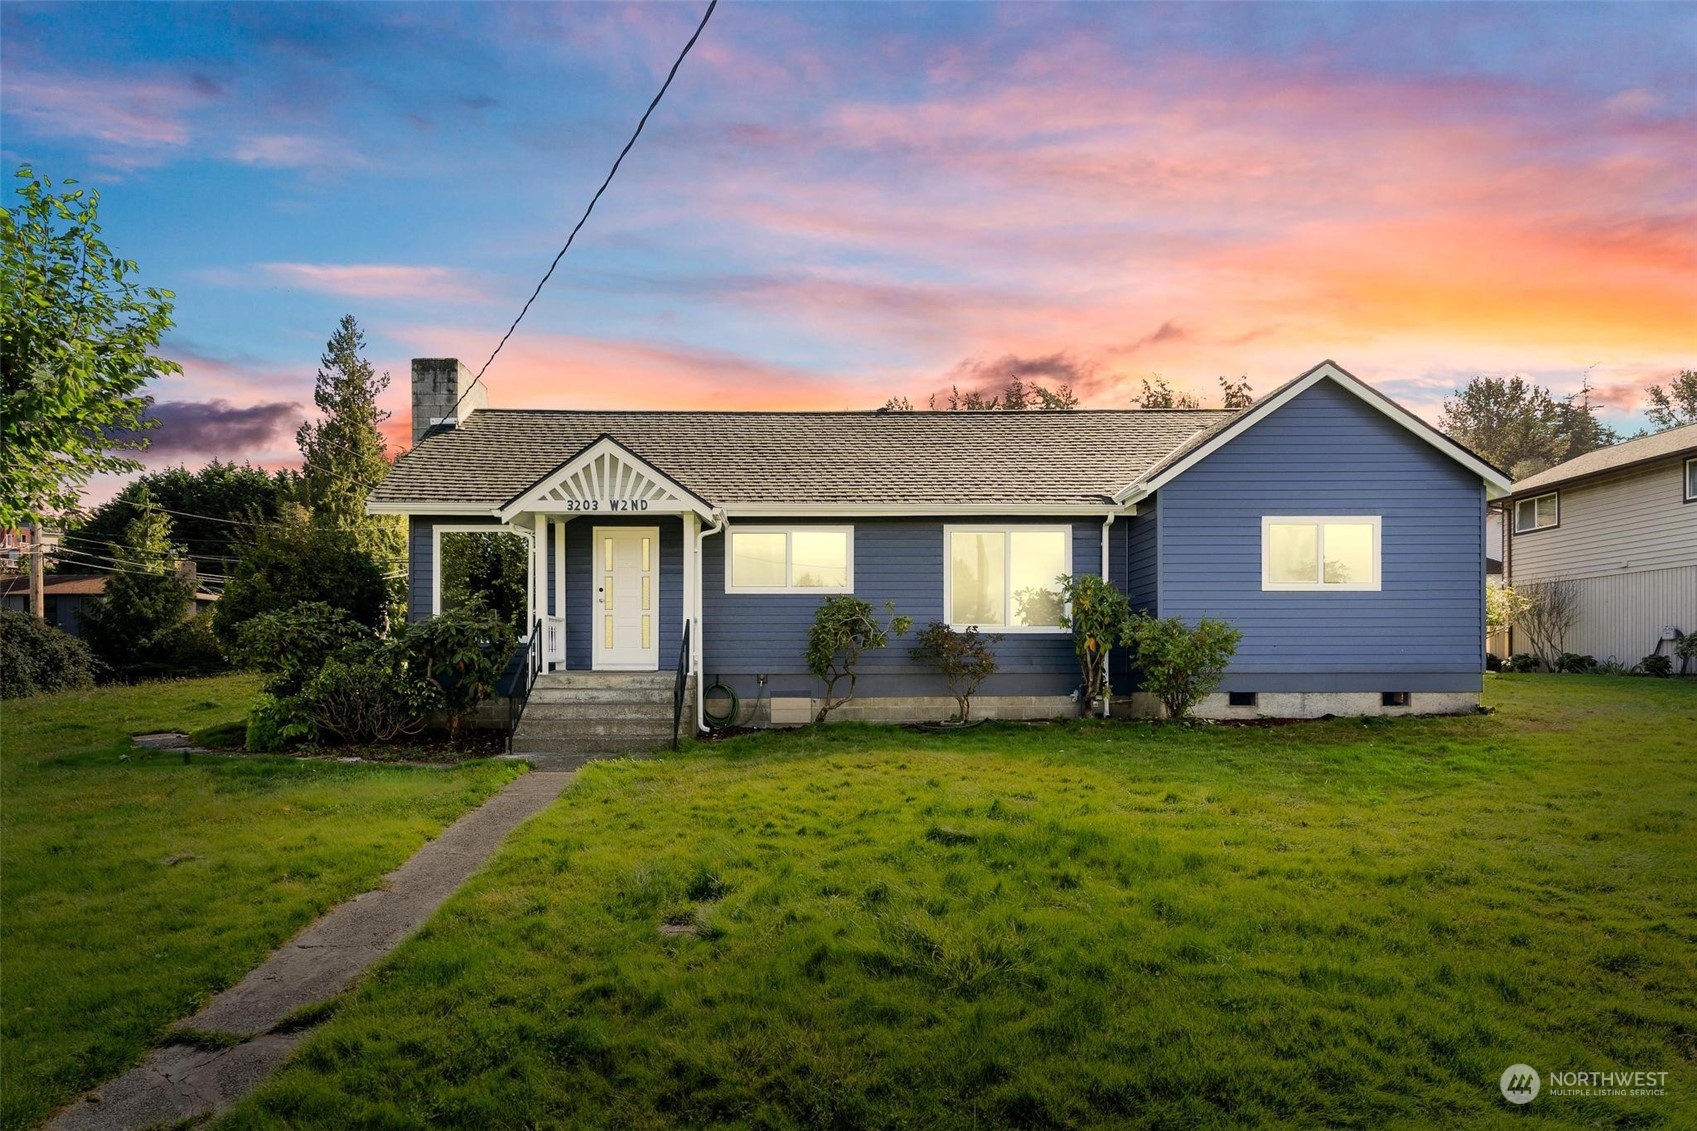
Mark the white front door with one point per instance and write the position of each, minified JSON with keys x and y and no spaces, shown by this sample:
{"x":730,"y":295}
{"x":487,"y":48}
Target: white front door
{"x":627,"y":598}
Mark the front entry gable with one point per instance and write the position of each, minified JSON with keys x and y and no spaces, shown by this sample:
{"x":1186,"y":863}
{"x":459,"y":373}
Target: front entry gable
{"x":606,"y":478}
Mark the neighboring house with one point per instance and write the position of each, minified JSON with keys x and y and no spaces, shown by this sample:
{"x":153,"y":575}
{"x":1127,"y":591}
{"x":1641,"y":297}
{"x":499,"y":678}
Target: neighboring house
{"x":1340,"y":533}
{"x":68,"y":594}
{"x":1622,"y":523}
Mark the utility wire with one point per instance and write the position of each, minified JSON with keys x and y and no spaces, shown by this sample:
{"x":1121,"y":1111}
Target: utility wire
{"x":670,"y":75}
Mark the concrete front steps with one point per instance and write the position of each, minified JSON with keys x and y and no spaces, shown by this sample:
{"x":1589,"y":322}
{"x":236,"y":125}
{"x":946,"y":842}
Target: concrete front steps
{"x":573,"y":717}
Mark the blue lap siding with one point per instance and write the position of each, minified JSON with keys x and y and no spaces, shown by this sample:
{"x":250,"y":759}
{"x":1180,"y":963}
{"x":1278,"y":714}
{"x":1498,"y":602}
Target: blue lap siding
{"x":1327,"y":453}
{"x":897,"y":560}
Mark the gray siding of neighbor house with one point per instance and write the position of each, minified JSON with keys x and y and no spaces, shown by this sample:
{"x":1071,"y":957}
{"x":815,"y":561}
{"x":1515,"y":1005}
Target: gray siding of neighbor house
{"x":1630,"y":541}
{"x":580,"y":587}
{"x":1631,"y":522}
{"x":1327,"y":453}
{"x":901,"y":560}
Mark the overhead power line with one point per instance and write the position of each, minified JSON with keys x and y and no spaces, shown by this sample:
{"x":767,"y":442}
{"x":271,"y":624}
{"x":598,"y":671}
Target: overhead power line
{"x":670,"y":75}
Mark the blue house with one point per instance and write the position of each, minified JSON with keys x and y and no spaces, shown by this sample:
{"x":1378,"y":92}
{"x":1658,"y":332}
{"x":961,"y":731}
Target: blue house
{"x":1343,"y":535}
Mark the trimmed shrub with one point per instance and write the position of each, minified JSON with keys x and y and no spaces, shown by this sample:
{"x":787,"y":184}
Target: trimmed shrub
{"x":1659,"y":666}
{"x":1576,"y":664}
{"x":1181,"y":665}
{"x":36,"y":657}
{"x":460,"y":655}
{"x":366,"y":695}
{"x":1521,"y":662}
{"x":290,"y":645}
{"x":965,"y":659}
{"x":279,"y":723}
{"x":294,"y":563}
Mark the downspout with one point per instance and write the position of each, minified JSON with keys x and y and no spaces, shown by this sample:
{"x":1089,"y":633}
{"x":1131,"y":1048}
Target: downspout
{"x":701,"y":536}
{"x":1108,"y":577}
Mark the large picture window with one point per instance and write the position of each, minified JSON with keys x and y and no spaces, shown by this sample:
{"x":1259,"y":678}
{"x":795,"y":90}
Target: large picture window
{"x":1005,"y":577}
{"x":1536,"y":514}
{"x":1321,"y":553}
{"x":813,"y":559}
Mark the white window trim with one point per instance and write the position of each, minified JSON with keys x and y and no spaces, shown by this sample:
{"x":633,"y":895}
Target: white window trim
{"x":1317,"y":586}
{"x":436,"y":533}
{"x":949,"y":531}
{"x":789,"y":560}
{"x":1534,"y":500}
{"x":1690,"y":466}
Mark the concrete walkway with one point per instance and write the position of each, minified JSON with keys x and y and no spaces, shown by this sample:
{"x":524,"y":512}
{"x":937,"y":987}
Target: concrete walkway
{"x":180,"y":1082}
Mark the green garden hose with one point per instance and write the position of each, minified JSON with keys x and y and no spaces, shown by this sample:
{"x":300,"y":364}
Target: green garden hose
{"x":716,"y":720}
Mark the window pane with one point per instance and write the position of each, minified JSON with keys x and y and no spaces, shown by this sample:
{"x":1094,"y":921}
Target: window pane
{"x":1039,"y":557}
{"x":1525,"y":514}
{"x":757,"y":559}
{"x":977,"y":578}
{"x":1691,"y":478}
{"x":1547,"y":510}
{"x":1349,"y":553}
{"x":821,"y":559}
{"x":1293,"y":552}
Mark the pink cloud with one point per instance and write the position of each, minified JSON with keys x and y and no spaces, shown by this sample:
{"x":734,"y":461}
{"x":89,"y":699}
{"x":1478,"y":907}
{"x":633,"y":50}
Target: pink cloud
{"x":139,"y":119}
{"x":374,"y":280}
{"x":292,"y":151}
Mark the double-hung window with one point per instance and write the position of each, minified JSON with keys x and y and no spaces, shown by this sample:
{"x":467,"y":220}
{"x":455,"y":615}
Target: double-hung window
{"x":1005,"y":577}
{"x":800,"y":559}
{"x":1325,"y":553}
{"x":1537,"y":513}
{"x":1691,"y":480}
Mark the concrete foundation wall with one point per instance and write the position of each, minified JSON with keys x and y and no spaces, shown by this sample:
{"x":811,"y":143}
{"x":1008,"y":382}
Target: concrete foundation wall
{"x":1308,"y":705}
{"x":918,"y":709}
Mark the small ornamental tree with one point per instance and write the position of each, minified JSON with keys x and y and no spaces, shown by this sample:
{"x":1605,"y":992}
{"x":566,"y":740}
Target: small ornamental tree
{"x":1550,"y":613}
{"x":966,"y":659}
{"x":1097,"y":615}
{"x":843,"y":628}
{"x":1504,"y":606}
{"x":1180,"y":664}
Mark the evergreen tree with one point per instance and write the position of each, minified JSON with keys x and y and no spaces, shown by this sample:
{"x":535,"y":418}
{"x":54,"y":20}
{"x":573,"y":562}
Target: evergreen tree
{"x":147,"y":599}
{"x":345,"y":453}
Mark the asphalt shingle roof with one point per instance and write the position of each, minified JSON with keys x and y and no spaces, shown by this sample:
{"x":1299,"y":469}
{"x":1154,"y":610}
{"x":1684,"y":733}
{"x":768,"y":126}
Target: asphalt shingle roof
{"x":1662,"y":445}
{"x":853,"y":458}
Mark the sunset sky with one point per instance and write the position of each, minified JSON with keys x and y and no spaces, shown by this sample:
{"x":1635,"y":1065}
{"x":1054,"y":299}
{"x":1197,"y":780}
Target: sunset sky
{"x":837,"y":204}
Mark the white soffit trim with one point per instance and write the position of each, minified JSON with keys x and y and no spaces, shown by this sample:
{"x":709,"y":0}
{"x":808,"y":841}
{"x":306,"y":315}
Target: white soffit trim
{"x":420,"y":506}
{"x":606,"y":479}
{"x":918,"y":510}
{"x":1497,"y":484}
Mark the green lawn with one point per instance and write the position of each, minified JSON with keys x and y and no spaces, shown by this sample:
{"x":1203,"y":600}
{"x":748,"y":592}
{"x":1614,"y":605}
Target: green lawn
{"x":130,"y":891}
{"x":1346,"y":923}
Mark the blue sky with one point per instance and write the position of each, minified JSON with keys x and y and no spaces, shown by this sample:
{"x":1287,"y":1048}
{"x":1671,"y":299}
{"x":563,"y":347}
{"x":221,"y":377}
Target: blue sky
{"x":840,"y":203}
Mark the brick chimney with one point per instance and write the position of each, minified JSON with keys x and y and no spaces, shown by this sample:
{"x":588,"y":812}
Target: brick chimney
{"x":438,"y":383}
